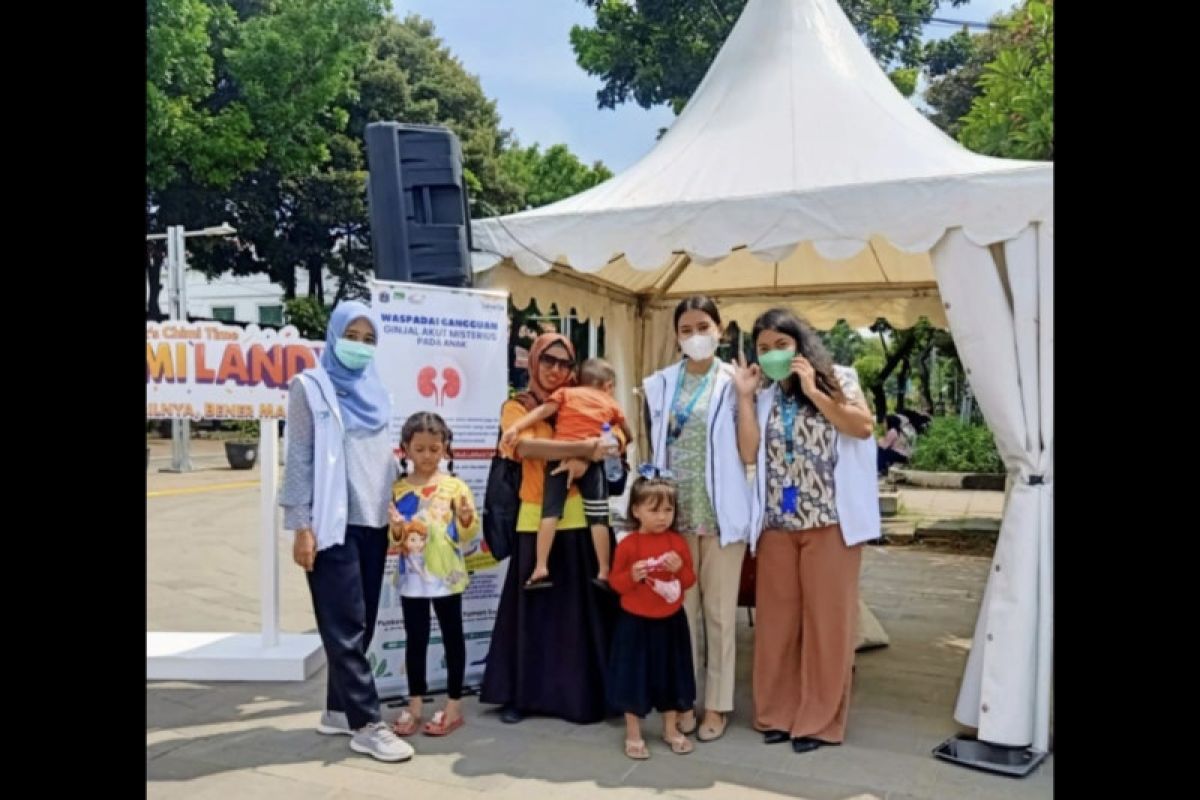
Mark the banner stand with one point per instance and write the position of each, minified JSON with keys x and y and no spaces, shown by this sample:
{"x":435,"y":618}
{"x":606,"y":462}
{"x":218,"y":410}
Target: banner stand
{"x":265,"y":656}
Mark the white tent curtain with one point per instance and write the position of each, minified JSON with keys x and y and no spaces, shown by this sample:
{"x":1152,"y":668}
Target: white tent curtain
{"x":999,"y":303}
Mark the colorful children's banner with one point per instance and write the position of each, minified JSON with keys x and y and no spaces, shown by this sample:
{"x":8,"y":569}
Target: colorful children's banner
{"x":209,"y":370}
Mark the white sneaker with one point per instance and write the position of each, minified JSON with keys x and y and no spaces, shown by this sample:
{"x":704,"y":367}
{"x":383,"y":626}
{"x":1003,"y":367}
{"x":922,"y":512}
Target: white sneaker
{"x":333,"y":723}
{"x":377,"y":741}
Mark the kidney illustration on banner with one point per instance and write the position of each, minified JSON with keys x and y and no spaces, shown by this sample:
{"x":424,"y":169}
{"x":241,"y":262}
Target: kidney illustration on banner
{"x":442,"y":379}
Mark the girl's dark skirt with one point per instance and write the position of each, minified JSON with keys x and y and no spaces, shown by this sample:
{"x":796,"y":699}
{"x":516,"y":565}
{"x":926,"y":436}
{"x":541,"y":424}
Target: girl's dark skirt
{"x":650,"y":665}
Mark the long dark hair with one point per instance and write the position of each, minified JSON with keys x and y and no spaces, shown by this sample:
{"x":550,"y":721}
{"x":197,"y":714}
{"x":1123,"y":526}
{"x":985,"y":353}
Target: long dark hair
{"x":426,"y":422}
{"x":808,"y":344}
{"x":697,"y":302}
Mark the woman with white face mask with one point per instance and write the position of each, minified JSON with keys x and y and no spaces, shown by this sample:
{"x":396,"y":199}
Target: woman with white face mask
{"x":691,"y":405}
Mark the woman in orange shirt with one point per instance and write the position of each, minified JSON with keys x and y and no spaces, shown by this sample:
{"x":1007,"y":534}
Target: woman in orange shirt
{"x":549,"y":649}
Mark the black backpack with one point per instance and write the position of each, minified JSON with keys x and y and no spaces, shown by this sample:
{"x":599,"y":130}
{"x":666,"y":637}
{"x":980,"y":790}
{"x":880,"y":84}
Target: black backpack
{"x":501,"y":500}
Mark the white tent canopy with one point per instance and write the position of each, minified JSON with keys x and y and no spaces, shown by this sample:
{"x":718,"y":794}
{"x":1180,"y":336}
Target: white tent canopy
{"x":794,"y":135}
{"x":798,"y":174}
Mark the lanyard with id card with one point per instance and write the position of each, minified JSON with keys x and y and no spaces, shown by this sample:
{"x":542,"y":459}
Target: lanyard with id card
{"x":680,"y":413}
{"x":788,"y":409}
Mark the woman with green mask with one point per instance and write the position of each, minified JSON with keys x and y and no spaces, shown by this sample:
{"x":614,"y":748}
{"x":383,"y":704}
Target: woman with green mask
{"x":815,"y":501}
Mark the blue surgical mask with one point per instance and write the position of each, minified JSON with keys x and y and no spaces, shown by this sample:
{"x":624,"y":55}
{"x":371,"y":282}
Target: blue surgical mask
{"x":353,"y":355}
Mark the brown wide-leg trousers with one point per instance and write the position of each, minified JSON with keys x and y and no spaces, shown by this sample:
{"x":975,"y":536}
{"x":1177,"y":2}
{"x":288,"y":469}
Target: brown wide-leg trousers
{"x":805,"y":632}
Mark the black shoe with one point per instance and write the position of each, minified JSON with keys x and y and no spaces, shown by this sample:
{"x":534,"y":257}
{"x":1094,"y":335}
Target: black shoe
{"x":510,"y":715}
{"x":806,"y":744}
{"x":775,"y":737}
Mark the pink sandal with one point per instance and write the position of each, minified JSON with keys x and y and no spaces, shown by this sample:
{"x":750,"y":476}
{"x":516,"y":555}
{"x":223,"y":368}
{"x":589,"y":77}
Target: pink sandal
{"x":439,"y":727}
{"x":406,"y":724}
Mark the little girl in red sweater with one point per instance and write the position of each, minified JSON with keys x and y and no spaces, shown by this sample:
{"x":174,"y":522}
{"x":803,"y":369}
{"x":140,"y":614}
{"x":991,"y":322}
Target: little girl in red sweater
{"x":650,"y":661}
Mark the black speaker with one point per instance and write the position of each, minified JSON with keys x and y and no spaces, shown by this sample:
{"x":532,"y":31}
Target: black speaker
{"x":420,"y":220}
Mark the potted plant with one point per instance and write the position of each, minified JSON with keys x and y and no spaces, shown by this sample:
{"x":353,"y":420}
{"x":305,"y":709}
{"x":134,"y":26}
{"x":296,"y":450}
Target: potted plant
{"x":242,"y":449}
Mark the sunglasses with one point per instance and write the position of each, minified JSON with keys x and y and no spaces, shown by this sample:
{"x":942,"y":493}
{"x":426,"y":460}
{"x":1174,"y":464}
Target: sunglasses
{"x":554,"y":361}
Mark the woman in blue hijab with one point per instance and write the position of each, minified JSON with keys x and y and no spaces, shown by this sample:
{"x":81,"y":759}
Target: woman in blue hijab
{"x":336,"y":493}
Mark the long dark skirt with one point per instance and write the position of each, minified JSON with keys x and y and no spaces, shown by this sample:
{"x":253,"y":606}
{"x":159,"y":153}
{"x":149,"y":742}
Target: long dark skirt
{"x":650,"y":666}
{"x":549,"y":652}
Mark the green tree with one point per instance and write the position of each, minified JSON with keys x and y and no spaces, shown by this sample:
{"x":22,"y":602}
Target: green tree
{"x":994,"y":91}
{"x":182,"y":126}
{"x":889,"y":364}
{"x":905,"y":79}
{"x":954,"y":66}
{"x":869,"y":366}
{"x":300,"y":201}
{"x":412,"y":77}
{"x":656,"y":51}
{"x":231,"y":85}
{"x":546,"y":177}
{"x":309,"y":316}
{"x":843,"y":342}
{"x":1013,"y":116}
{"x":924,"y":354}
{"x":244,"y":98}
{"x":409,"y":76}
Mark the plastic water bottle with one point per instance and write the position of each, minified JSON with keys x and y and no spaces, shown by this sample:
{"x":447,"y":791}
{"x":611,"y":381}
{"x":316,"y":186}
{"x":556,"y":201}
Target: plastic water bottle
{"x":612,"y":464}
